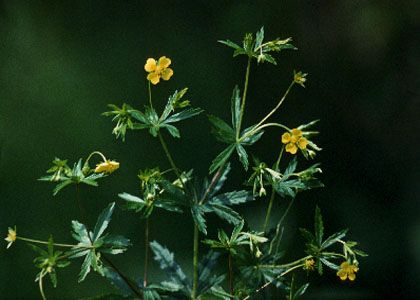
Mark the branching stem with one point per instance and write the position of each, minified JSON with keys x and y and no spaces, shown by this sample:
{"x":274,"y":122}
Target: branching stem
{"x":195,"y":263}
{"x":248,"y":67}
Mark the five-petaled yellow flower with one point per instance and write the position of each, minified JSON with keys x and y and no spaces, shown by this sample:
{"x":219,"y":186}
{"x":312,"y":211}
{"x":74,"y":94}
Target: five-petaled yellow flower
{"x":294,"y":140}
{"x":11,"y":237}
{"x":107,"y":166}
{"x":347,"y":270}
{"x":159,"y":69}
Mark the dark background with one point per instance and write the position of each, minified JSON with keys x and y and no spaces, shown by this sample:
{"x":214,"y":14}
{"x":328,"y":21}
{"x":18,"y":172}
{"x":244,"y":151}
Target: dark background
{"x":61,"y":63}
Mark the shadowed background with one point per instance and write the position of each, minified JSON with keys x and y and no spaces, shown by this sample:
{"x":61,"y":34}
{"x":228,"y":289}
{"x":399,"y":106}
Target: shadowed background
{"x":61,"y":63}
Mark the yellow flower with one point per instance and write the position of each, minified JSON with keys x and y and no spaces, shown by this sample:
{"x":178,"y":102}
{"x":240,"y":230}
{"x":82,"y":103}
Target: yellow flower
{"x":107,"y":166}
{"x":300,"y":78}
{"x":159,"y":69}
{"x":347,"y":270}
{"x":11,"y":237}
{"x":309,"y":264}
{"x":294,"y":140}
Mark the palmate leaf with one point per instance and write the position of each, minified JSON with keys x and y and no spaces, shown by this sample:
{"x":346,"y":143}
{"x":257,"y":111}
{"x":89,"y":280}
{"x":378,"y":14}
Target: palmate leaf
{"x":197,"y":212}
{"x":235,"y":107}
{"x":319,"y":227}
{"x":226,"y":213}
{"x":232,"y":198}
{"x":185,"y":114}
{"x":220,"y":181}
{"x":92,"y":244}
{"x":221,"y":130}
{"x":167,"y":263}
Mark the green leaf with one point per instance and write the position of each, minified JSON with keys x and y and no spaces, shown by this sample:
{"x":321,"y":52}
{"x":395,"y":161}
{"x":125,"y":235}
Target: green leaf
{"x":259,"y":37}
{"x":243,"y":156}
{"x":172,"y":130}
{"x":235,"y":107}
{"x":198,"y":216}
{"x":329,"y":264}
{"x":291,"y":167}
{"x":221,"y":130}
{"x":182,"y":115}
{"x":226,"y":213}
{"x":103,"y":221}
{"x":232,"y":198}
{"x":332,"y":239}
{"x":170,"y":106}
{"x":222,"y":158}
{"x":85,"y":269}
{"x":319,"y":227}
{"x":168,"y":264}
{"x":118,"y":282}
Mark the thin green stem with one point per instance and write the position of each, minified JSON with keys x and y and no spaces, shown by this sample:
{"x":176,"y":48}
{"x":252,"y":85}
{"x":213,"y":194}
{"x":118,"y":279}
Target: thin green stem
{"x":195,"y":263}
{"x":248,"y":67}
{"x":273,"y":193}
{"x":288,"y":265}
{"x":93,"y":153}
{"x":170,"y":159}
{"x":146,"y":252}
{"x":230,"y":264}
{"x":257,"y":127}
{"x":44,"y":242}
{"x":41,"y":287}
{"x":150,"y":95}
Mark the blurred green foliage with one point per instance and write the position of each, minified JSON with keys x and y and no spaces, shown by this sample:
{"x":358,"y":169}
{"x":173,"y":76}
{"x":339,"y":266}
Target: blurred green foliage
{"x":63,"y":62}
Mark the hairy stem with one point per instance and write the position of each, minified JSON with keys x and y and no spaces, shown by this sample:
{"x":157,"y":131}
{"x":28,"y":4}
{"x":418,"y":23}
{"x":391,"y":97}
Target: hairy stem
{"x":170,"y":159}
{"x":41,"y":287}
{"x":273,"y":193}
{"x":238,"y":130}
{"x":195,"y":263}
{"x":230,"y":265}
{"x":44,"y":242}
{"x":258,"y":126}
{"x":150,"y":96}
{"x":146,"y":252}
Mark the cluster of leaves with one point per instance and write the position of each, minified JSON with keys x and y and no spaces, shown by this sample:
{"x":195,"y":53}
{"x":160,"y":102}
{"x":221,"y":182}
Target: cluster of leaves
{"x":61,"y":173}
{"x":129,"y":118}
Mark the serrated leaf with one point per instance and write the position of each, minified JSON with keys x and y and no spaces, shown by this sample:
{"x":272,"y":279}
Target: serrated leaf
{"x":118,"y":282}
{"x":198,"y":216}
{"x":232,"y":198}
{"x":291,"y":167}
{"x":235,"y":107}
{"x":173,"y":131}
{"x":182,"y":115}
{"x":103,"y":221}
{"x":226,"y":213}
{"x":167,"y":263}
{"x":221,"y":130}
{"x":85,"y":268}
{"x":243,"y":156}
{"x":222,"y":158}
{"x":329,"y":264}
{"x":332,"y":239}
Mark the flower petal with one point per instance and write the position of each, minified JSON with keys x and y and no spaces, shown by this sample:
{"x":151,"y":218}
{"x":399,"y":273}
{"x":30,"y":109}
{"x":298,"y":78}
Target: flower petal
{"x":291,"y":148}
{"x":150,"y":65}
{"x":352,"y":276}
{"x":153,"y":78}
{"x":285,"y":138}
{"x":296,"y":132}
{"x":302,"y":143}
{"x":167,"y":74}
{"x":164,"y":62}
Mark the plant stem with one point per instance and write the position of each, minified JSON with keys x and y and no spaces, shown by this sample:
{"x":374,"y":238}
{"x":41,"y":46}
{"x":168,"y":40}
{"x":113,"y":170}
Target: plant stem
{"x":273,"y":193}
{"x":258,"y":126}
{"x":41,"y":288}
{"x":230,"y":275}
{"x":43,"y":242}
{"x":150,"y":96}
{"x":195,"y":263}
{"x":170,"y":159}
{"x":146,"y":252}
{"x":238,"y":130}
{"x":123,"y":277}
